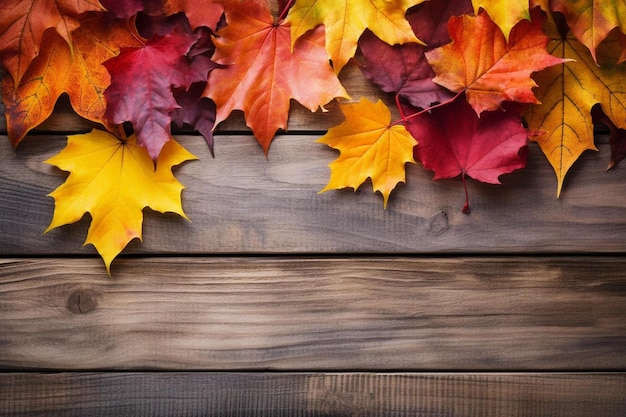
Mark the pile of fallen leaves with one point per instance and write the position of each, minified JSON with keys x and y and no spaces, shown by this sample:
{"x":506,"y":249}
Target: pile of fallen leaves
{"x":473,"y":81}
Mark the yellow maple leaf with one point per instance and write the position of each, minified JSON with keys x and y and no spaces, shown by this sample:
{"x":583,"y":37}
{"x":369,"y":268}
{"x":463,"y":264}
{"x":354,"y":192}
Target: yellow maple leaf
{"x":370,"y":147}
{"x":563,"y":122}
{"x":346,"y":20}
{"x":505,"y":13}
{"x":114,"y":180}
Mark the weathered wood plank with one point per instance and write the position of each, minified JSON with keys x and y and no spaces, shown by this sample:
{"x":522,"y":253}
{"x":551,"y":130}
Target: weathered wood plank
{"x":293,"y":395}
{"x":258,"y":313}
{"x":64,"y":119}
{"x":242,"y":202}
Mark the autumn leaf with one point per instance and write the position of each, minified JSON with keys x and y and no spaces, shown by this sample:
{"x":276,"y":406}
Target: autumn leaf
{"x":57,"y":70}
{"x":195,"y":110}
{"x":504,"y":13}
{"x":23,"y":23}
{"x":591,"y":21}
{"x":480,"y":62}
{"x":454,"y":141}
{"x":113,"y":181}
{"x":617,"y":136}
{"x":403,"y":69}
{"x":260,"y":74}
{"x":370,"y":147}
{"x":141,"y":86}
{"x":563,"y":123}
{"x":346,"y":20}
{"x":199,"y":13}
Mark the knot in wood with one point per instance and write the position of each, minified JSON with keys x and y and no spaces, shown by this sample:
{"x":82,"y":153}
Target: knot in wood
{"x":82,"y":302}
{"x":438,"y":223}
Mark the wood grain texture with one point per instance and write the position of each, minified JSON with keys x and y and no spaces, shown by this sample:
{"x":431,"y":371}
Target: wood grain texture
{"x":241,"y":202}
{"x":509,"y":313}
{"x":318,"y":394}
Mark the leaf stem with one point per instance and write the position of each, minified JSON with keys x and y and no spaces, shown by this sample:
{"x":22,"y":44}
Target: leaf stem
{"x":466,"y":206}
{"x":399,"y":108}
{"x":410,"y":116}
{"x":284,"y":11}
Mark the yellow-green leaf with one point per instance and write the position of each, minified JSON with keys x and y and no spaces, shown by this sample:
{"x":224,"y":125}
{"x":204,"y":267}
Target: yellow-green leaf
{"x":370,"y":147}
{"x":114,"y":180}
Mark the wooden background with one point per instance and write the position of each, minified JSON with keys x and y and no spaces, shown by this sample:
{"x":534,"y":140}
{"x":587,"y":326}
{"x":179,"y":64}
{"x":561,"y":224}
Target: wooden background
{"x":275,"y":300}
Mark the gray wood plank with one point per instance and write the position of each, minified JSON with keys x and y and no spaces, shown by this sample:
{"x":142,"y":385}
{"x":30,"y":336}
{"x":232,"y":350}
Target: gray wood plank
{"x":267,"y":313}
{"x":316,"y":394}
{"x":242,"y":202}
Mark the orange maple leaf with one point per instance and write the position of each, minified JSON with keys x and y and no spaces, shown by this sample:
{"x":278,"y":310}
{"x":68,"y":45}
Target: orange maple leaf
{"x":346,"y":20}
{"x":23,"y":23}
{"x":261,"y":74}
{"x":57,"y":70}
{"x":480,"y":62}
{"x":370,"y":147}
{"x":114,"y":180}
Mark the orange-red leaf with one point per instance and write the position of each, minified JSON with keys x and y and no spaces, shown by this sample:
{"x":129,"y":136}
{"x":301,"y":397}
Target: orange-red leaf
{"x":480,"y":62}
{"x":370,"y":147}
{"x":57,"y":70}
{"x":261,"y":74}
{"x":23,"y":23}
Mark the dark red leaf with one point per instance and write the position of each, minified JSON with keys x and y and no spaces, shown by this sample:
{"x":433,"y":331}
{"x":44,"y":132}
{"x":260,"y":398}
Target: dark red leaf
{"x":141,"y":86}
{"x":196,"y":111}
{"x":403,"y":69}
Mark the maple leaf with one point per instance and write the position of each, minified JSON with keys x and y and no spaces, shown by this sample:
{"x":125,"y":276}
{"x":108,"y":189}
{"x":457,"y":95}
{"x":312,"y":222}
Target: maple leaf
{"x":480,"y":62}
{"x":23,"y":23}
{"x":370,"y":147}
{"x":114,"y":181}
{"x":563,"y":124}
{"x":504,"y":13}
{"x":454,"y":141}
{"x":346,"y":20}
{"x":260,"y":74}
{"x":403,"y":69}
{"x":195,"y":110}
{"x":199,"y":13}
{"x":57,"y":70}
{"x":141,"y":86}
{"x":591,"y":21}
{"x":617,"y":136}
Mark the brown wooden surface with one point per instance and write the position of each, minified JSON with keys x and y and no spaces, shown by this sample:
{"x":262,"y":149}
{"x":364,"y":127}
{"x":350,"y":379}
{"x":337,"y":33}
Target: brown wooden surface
{"x":272,"y":276}
{"x":293,"y":395}
{"x":315,"y":314}
{"x":242,"y":202}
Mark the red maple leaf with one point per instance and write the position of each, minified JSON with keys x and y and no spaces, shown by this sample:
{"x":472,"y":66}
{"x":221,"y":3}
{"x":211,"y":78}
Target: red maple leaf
{"x":261,"y":74}
{"x":199,"y":13}
{"x":453,"y":140}
{"x":141,"y":86}
{"x":403,"y":69}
